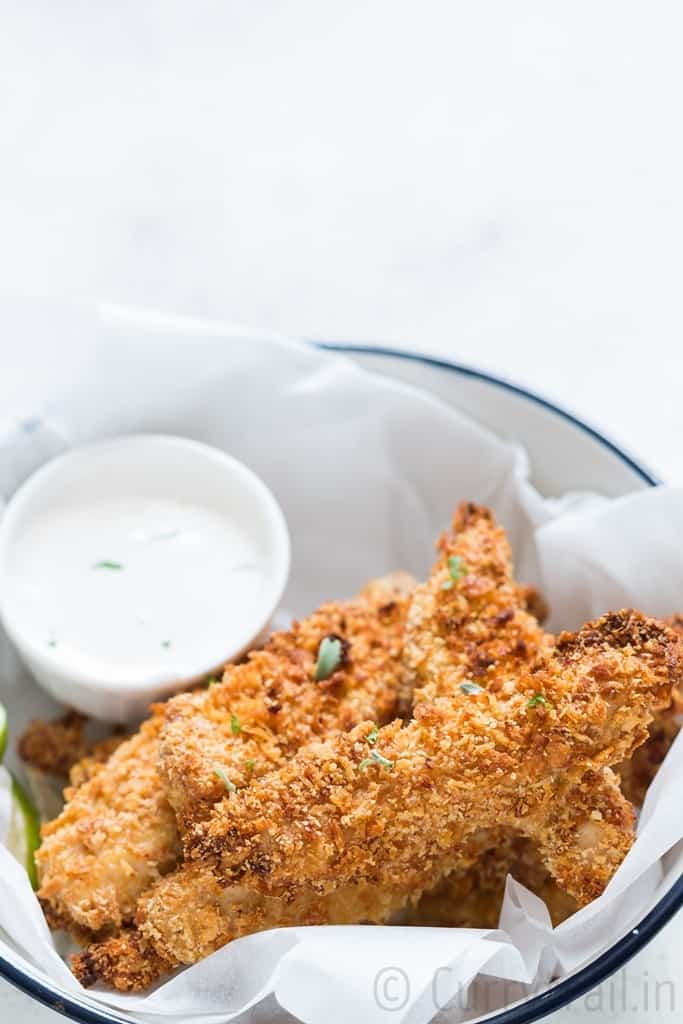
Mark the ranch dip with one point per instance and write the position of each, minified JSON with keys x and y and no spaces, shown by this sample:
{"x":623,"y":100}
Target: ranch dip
{"x":133,"y":588}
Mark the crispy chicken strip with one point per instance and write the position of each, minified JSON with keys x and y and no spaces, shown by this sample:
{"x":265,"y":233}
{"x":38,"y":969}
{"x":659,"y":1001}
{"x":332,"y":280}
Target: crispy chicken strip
{"x":189,"y":915}
{"x":469,"y":622}
{"x":265,"y":709}
{"x":482,"y":633}
{"x":115,"y":837}
{"x":55,"y":746}
{"x":535,"y":763}
{"x":471,"y":897}
{"x":168,"y":934}
{"x":61,"y":748}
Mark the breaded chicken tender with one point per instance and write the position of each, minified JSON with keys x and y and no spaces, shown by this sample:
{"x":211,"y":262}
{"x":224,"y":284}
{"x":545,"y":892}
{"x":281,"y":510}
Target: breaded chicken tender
{"x":469,"y":622}
{"x":60,"y":748}
{"x":56,"y":746}
{"x":115,"y":837}
{"x":188,"y":915}
{"x":536,"y":762}
{"x":170,"y":931}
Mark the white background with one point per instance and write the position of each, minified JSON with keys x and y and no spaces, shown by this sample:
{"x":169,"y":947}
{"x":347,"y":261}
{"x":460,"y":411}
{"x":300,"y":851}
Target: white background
{"x":496,"y":182}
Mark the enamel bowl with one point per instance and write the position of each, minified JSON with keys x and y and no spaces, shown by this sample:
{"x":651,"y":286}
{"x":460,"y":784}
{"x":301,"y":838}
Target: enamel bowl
{"x":565,"y":454}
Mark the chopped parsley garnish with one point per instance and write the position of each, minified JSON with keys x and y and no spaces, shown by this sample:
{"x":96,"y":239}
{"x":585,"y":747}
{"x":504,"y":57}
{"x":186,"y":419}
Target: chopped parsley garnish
{"x":468,"y":687}
{"x":235,"y":725}
{"x":456,"y":570}
{"x":165,"y":643}
{"x":211,"y":681}
{"x":230,"y":786}
{"x":456,"y":567}
{"x":250,"y":764}
{"x":107,"y":565}
{"x":371,"y":737}
{"x":538,"y":699}
{"x":329,"y":657}
{"x":375,"y":758}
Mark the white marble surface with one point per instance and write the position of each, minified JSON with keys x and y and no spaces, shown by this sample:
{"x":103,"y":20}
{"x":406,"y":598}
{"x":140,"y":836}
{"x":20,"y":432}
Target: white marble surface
{"x":494,"y":182}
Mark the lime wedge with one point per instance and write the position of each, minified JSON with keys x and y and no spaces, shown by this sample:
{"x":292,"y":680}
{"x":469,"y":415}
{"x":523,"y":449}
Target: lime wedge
{"x":3,"y":732}
{"x":23,"y":835}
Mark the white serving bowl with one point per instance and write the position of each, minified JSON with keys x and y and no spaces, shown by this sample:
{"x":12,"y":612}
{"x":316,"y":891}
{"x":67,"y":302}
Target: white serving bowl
{"x":153,"y":468}
{"x":565,"y":455}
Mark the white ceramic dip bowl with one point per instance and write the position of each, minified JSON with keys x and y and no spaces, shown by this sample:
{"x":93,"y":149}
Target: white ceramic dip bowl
{"x":132,"y":567}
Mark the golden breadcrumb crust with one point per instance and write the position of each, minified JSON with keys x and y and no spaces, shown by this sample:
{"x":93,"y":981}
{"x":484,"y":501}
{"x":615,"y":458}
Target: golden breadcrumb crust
{"x":54,"y":746}
{"x":502,"y":766}
{"x":357,"y":826}
{"x":469,"y":622}
{"x":60,"y":747}
{"x":116,"y":836}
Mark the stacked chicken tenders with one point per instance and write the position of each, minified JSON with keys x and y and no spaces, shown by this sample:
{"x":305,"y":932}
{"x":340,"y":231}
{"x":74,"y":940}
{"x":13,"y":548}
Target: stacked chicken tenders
{"x":389,"y":758}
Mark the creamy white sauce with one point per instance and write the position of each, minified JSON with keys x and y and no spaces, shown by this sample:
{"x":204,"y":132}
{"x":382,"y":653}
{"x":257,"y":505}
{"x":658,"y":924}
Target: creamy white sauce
{"x":134,"y":589}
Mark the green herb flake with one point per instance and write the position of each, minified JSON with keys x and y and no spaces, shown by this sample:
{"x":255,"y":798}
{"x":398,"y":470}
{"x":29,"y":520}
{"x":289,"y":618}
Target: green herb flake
{"x":537,"y":700}
{"x":371,"y":737}
{"x":375,"y":758}
{"x":235,"y":725}
{"x":329,"y":657}
{"x":456,"y":567}
{"x":250,"y":763}
{"x":230,"y":786}
{"x":211,"y":681}
{"x":468,"y":688}
{"x":108,"y":565}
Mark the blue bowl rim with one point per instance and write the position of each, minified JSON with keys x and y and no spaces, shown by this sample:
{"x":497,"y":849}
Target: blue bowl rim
{"x":588,"y":977}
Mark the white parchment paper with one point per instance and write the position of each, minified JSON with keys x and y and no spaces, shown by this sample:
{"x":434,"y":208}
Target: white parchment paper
{"x":368,"y":472}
